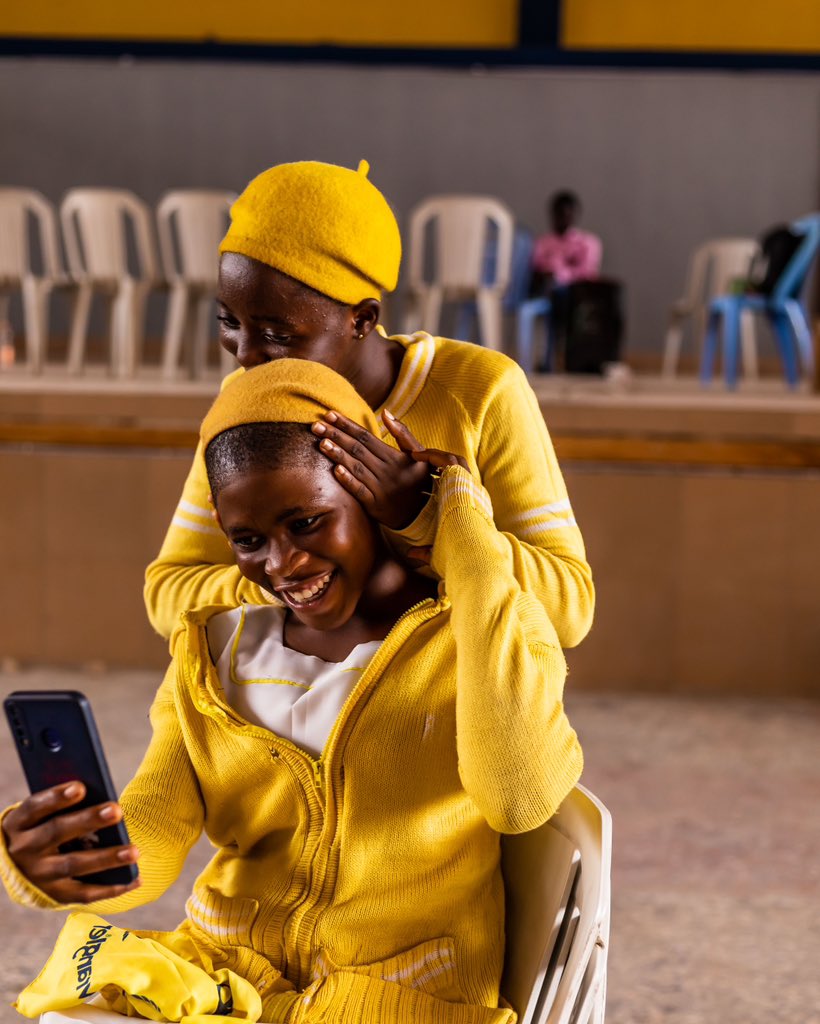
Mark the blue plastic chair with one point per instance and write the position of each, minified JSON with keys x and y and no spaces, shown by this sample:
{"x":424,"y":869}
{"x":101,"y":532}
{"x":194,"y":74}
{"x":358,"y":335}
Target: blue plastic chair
{"x":783,"y":307}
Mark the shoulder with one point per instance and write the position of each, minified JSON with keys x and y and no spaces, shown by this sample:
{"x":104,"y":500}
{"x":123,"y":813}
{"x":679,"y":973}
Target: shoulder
{"x":471,"y":373}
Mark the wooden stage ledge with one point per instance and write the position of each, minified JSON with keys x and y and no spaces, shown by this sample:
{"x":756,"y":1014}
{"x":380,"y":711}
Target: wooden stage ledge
{"x":647,"y":421}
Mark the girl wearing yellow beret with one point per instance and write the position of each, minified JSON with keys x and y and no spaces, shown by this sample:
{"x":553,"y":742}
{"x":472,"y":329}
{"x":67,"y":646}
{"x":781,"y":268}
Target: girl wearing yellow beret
{"x":352,"y":751}
{"x":310,"y":249}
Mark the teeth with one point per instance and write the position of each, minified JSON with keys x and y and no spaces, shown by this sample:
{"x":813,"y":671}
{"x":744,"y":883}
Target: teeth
{"x":302,"y":596}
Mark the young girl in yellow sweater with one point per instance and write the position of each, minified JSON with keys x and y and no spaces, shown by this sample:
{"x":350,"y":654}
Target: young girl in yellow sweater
{"x":310,"y":249}
{"x":352,"y":747}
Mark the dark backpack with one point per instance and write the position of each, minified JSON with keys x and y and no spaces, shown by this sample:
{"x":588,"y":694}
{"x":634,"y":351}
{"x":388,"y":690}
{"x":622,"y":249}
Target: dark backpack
{"x":595,"y":323}
{"x":777,"y":247}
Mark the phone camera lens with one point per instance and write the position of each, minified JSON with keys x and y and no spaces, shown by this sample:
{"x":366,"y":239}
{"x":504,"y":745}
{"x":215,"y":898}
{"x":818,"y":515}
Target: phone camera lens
{"x":52,"y":739}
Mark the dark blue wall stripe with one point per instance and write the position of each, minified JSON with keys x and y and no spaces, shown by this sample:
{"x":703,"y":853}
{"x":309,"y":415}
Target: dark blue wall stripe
{"x":529,"y":55}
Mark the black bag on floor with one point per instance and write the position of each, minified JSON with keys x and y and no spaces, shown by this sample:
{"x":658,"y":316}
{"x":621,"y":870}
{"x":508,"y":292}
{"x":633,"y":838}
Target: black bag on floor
{"x":594,"y":325}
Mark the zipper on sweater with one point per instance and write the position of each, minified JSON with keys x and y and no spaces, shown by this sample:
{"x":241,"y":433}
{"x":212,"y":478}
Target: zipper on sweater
{"x":301,"y":921}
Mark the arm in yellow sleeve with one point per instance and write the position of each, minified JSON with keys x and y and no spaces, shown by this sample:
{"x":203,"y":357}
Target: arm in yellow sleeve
{"x":518,"y":755}
{"x":516,"y":462}
{"x":532,"y":509}
{"x":163,"y":811}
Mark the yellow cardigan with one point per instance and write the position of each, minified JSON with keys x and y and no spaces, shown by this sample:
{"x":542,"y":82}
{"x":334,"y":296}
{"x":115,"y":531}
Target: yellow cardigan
{"x":368,"y":879}
{"x":454,"y":396}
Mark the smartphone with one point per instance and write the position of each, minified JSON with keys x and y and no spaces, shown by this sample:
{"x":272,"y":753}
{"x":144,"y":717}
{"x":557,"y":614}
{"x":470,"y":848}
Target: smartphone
{"x":57,"y":741}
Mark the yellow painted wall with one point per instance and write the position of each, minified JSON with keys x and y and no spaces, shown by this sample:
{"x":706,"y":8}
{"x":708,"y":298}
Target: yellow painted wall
{"x":767,"y":26}
{"x":451,"y":23}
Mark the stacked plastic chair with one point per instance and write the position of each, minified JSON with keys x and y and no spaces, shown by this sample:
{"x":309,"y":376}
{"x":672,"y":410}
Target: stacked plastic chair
{"x":96,"y":238}
{"x":191,"y":224}
{"x":17,"y":268}
{"x":783,"y":308}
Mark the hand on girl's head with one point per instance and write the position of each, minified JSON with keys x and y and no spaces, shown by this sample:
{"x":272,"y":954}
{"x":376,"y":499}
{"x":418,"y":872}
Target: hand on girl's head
{"x":33,"y":839}
{"x":391,"y":485}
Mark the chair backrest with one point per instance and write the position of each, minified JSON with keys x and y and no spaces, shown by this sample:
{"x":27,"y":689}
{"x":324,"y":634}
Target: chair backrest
{"x":96,"y":238}
{"x":714,"y":265}
{"x":791,"y":281}
{"x":460,"y":225}
{"x":557,"y":886}
{"x":191,"y":224}
{"x":729,"y":259}
{"x":16,"y":206}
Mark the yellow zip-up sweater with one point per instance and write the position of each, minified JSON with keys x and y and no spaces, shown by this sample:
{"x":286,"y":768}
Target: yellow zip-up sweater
{"x":365,"y":886}
{"x":454,"y":396}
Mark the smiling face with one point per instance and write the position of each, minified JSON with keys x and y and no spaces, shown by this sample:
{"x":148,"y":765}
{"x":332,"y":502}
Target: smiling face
{"x":298,"y":534}
{"x":264,"y":315}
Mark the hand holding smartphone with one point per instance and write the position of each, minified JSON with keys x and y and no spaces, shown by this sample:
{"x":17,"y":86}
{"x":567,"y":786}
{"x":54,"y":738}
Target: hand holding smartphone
{"x":69,"y":840}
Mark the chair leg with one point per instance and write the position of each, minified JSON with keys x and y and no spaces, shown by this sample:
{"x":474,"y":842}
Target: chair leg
{"x":35,"y":315}
{"x":748,"y":344}
{"x":79,"y":326}
{"x":488,"y":301}
{"x":431,"y":302}
{"x":128,"y":323}
{"x":175,"y":323}
{"x":784,"y":336}
{"x":528,"y":313}
{"x":802,"y":334}
{"x":204,"y":319}
{"x":731,"y":343}
{"x":672,"y":347}
{"x":710,"y":342}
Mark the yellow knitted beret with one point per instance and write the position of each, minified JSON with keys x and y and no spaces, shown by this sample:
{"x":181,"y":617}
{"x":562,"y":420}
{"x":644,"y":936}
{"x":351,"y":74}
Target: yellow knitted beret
{"x":327,"y":226}
{"x":285,"y":391}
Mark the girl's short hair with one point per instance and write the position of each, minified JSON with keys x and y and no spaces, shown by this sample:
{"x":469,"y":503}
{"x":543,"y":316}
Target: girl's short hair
{"x":259,"y":446}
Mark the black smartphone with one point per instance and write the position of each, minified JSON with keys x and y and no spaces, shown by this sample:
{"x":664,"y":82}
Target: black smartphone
{"x":57,"y":741}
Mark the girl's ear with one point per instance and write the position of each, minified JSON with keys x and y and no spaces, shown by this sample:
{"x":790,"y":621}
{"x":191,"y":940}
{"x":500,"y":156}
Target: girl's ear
{"x":365,"y":317}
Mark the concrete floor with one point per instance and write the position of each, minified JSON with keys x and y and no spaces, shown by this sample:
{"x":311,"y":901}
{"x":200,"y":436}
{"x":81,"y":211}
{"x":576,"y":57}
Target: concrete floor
{"x":716,"y":875}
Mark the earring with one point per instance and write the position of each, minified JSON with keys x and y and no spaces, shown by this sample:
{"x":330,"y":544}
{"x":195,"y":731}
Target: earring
{"x":360,"y":336}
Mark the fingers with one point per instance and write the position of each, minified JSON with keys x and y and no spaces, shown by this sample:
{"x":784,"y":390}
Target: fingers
{"x":61,"y":877}
{"x":353,"y":482}
{"x":353,"y":439}
{"x":58,"y":868}
{"x":37,"y":836}
{"x":438,"y":459}
{"x":72,"y":891}
{"x":38,"y":806}
{"x":404,"y":436}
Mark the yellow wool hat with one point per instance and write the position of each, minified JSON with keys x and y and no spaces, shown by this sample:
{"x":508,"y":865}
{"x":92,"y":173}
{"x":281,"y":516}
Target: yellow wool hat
{"x":285,"y":391}
{"x":324,"y":225}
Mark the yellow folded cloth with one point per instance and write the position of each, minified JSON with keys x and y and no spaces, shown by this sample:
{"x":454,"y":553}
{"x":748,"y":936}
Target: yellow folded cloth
{"x":137,"y":976}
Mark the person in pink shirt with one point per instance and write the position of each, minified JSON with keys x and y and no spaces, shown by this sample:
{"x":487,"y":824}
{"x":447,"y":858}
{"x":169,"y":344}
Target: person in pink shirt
{"x":559,"y":259}
{"x":566,"y":253}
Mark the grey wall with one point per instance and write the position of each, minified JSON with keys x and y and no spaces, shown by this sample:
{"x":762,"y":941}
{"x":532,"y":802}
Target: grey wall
{"x":662,"y":161}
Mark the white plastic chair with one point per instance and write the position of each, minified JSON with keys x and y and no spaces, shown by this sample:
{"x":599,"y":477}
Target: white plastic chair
{"x":94,"y":222}
{"x":460,"y":226}
{"x":17,"y":271}
{"x":712,"y":269}
{"x":557,"y":886}
{"x":191,"y":224}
